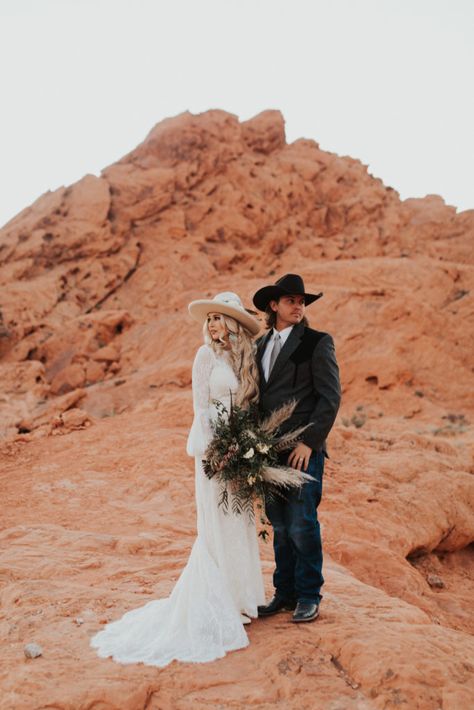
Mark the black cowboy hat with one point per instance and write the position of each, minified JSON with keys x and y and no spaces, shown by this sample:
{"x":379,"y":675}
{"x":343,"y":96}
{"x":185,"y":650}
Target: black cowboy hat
{"x":288,"y":285}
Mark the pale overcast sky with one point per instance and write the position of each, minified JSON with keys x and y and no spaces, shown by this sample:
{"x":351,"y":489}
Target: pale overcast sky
{"x":387,"y":81}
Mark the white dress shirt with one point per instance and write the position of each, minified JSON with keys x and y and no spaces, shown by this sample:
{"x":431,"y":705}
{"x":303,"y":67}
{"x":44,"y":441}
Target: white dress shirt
{"x":269,"y":347}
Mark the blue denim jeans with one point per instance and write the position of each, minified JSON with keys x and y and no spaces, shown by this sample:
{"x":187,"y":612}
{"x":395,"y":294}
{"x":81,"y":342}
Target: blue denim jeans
{"x":297,"y":537}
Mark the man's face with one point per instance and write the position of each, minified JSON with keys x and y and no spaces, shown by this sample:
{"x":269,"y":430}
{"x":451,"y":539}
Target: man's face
{"x":216,"y":326}
{"x":289,"y":309}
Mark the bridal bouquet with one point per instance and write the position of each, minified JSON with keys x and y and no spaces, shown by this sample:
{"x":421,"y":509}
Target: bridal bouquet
{"x":243,"y":456}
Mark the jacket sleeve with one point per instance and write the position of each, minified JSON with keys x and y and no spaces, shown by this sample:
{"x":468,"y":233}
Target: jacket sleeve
{"x":328,"y":389}
{"x":201,"y":431}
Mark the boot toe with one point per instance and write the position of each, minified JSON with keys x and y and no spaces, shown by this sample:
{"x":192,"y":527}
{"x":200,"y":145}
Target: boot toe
{"x":306,"y":611}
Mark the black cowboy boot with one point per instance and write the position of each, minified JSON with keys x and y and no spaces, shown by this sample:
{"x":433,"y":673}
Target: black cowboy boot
{"x":277,"y":604}
{"x":306,"y":611}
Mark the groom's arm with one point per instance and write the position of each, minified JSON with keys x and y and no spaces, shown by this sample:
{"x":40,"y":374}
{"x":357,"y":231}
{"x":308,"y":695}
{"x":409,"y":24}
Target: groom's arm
{"x":327,"y":387}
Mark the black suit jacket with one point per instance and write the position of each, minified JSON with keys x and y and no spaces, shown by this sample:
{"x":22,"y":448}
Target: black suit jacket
{"x":306,"y":370}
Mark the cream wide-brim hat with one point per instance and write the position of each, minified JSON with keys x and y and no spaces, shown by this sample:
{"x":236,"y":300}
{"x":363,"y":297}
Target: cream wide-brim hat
{"x":228,"y":304}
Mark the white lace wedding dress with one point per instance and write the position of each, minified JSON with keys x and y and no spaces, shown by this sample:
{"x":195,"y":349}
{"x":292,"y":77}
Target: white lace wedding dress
{"x":201,"y":619}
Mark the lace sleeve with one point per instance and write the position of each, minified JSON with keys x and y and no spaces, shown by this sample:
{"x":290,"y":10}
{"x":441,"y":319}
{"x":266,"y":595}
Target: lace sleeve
{"x":201,"y":432}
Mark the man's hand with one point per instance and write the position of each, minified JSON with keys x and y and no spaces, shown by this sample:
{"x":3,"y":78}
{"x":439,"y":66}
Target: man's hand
{"x":299,"y":457}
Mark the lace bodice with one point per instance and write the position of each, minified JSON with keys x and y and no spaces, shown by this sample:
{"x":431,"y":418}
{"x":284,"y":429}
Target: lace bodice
{"x":213,"y":379}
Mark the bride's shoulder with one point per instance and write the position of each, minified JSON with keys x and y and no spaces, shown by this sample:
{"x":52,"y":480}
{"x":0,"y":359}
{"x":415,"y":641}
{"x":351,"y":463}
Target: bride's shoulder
{"x":204,"y":355}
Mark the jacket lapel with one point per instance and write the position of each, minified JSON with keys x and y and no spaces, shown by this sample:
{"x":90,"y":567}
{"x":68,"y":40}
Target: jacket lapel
{"x":287,"y":350}
{"x":260,"y":350}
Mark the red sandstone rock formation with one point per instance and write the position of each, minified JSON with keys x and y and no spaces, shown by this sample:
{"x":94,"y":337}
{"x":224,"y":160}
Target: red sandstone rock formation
{"x":97,"y":493}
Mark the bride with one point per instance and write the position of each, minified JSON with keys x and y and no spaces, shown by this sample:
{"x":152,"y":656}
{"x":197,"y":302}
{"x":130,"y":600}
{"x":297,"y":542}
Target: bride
{"x":221,"y":585}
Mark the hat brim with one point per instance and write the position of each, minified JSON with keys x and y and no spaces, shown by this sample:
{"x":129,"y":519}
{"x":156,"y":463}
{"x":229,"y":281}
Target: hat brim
{"x":270,"y":293}
{"x":199,"y":310}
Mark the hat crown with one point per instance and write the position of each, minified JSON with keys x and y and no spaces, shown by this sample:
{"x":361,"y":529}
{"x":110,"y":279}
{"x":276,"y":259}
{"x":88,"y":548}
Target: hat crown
{"x":292,"y":283}
{"x":229,"y":299}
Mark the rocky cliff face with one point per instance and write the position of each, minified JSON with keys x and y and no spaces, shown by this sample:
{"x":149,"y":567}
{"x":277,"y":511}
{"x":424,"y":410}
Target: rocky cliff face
{"x":96,"y":349}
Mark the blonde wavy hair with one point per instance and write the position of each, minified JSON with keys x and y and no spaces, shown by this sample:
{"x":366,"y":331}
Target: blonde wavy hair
{"x":242,"y":357}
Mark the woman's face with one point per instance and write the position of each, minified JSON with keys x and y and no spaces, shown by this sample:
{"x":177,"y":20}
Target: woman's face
{"x":216,"y":326}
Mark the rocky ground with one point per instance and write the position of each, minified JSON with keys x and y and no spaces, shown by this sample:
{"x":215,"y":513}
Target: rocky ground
{"x":97,"y":492}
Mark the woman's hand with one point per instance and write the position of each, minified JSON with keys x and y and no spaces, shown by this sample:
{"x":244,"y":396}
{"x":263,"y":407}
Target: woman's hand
{"x":299,"y":457}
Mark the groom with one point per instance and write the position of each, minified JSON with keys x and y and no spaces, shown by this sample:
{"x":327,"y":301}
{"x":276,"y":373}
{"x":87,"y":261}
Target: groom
{"x":297,"y":362}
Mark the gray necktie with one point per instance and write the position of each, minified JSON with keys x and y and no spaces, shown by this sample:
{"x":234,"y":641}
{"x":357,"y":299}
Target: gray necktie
{"x":275,"y":352}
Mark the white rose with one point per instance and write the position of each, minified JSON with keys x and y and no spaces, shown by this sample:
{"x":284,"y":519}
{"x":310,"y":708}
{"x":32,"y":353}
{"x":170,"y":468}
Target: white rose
{"x":249,"y":454}
{"x":263,"y":448}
